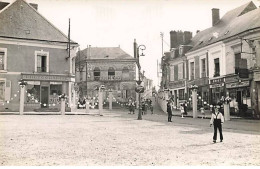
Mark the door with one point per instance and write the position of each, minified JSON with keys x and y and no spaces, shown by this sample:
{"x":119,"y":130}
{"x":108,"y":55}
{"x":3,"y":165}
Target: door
{"x":44,"y":96}
{"x":239,"y":98}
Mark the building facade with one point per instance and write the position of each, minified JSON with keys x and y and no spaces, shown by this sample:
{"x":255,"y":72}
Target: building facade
{"x":111,"y":67}
{"x":223,"y":61}
{"x":33,"y":50}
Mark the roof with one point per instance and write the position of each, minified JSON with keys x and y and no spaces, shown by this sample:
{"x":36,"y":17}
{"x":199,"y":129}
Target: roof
{"x":21,"y":21}
{"x":236,"y":21}
{"x":105,"y":53}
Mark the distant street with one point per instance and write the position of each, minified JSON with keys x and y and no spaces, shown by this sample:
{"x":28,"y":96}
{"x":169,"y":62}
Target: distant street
{"x":117,"y":138}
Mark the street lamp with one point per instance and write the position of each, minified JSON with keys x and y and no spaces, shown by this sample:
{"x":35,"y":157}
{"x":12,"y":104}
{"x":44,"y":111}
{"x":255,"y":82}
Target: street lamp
{"x":142,"y":48}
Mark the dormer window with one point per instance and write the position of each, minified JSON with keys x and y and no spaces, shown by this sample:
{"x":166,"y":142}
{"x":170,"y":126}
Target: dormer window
{"x":181,"y":50}
{"x":226,"y":32}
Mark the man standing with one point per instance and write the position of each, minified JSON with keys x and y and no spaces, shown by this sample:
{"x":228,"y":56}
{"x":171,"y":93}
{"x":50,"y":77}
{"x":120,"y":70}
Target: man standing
{"x":169,"y":111}
{"x":217,"y":120}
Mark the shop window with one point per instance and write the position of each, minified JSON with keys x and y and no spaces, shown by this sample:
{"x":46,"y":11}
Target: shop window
{"x":33,"y":93}
{"x":217,"y":67}
{"x":55,"y":92}
{"x":96,"y":73}
{"x":181,"y":94}
{"x":111,"y":73}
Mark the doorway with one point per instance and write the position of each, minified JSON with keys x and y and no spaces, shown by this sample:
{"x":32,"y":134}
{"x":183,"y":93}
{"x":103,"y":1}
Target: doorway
{"x":239,"y":97}
{"x":44,"y":96}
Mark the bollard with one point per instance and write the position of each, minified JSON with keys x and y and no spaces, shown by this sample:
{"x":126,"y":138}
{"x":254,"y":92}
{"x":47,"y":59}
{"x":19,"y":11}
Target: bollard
{"x":226,"y":111}
{"x":21,"y":109}
{"x":87,"y":107}
{"x":62,"y":106}
{"x":110,"y":100}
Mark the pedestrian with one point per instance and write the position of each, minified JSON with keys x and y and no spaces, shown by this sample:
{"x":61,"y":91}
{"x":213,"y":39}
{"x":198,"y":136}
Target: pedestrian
{"x":202,"y":112}
{"x":185,"y":107}
{"x":143,"y":108}
{"x":151,"y":108}
{"x":217,"y":120}
{"x":169,"y":111}
{"x":182,"y":109}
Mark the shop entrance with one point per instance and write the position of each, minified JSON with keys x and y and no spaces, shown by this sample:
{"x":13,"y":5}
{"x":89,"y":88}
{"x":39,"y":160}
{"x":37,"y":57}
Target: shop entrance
{"x":239,"y":97}
{"x":44,"y":96}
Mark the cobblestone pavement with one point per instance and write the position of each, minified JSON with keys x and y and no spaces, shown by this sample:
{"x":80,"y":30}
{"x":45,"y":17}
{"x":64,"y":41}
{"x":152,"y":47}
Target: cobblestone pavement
{"x":117,"y":138}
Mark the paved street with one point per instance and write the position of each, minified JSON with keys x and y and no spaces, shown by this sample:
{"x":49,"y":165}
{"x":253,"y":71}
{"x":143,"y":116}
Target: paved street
{"x":117,"y":138}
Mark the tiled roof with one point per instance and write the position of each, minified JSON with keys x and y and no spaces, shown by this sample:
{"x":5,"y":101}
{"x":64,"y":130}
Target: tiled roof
{"x":105,"y":53}
{"x":20,"y":20}
{"x":236,"y":21}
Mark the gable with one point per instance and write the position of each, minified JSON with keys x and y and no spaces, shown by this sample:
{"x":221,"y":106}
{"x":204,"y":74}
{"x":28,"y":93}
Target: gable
{"x":22,"y":21}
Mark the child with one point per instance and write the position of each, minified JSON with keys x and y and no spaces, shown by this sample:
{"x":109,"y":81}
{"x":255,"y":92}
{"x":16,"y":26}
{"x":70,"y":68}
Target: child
{"x":182,"y":110}
{"x":202,"y":112}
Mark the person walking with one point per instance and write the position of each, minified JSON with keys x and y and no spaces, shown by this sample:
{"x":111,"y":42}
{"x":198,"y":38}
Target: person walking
{"x":185,"y":107}
{"x":182,"y":109}
{"x":217,"y":120}
{"x":169,"y":111}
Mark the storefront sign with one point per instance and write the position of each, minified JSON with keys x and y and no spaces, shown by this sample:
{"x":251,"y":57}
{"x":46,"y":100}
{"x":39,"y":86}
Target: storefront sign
{"x":237,"y":84}
{"x":214,"y":81}
{"x":45,"y":77}
{"x":215,"y":85}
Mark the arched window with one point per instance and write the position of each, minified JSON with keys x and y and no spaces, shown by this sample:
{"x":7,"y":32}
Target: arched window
{"x":96,"y":73}
{"x":111,"y":73}
{"x":125,"y":73}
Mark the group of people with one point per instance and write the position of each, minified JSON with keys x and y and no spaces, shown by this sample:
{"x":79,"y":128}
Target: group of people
{"x":145,"y":105}
{"x":217,"y":118}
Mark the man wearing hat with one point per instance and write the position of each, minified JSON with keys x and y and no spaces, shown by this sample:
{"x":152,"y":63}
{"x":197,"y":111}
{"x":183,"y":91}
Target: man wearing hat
{"x":169,"y":110}
{"x":217,"y":120}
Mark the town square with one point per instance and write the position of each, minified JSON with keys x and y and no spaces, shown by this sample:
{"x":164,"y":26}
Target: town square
{"x":129,"y":83}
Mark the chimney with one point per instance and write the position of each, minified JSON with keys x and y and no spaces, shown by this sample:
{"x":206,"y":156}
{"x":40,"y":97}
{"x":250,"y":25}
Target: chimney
{"x":173,"y":39}
{"x":215,"y":16}
{"x":135,"y":49}
{"x":187,"y":37}
{"x":3,"y":5}
{"x":35,"y":6}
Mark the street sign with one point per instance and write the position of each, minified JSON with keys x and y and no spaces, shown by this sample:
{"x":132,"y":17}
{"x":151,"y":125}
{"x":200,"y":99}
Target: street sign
{"x":139,"y":89}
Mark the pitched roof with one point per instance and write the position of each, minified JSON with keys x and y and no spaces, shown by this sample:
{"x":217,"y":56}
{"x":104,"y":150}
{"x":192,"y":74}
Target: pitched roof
{"x":236,"y":21}
{"x":104,"y":53}
{"x":20,"y":20}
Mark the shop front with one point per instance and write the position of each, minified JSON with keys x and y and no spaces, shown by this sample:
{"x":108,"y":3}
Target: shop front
{"x":217,"y":90}
{"x":43,"y":91}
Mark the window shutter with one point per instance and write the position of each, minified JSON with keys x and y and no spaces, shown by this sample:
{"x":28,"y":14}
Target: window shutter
{"x":8,"y":90}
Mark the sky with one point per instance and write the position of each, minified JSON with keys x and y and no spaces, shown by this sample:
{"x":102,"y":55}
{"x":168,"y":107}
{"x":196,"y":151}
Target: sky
{"x":113,"y":23}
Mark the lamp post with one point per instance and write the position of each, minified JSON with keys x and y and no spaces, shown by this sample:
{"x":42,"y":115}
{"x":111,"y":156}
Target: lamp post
{"x":142,"y":48}
{"x":22,"y":84}
{"x":100,"y":99}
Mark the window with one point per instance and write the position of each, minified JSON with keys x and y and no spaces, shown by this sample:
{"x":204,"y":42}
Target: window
{"x":125,"y":73}
{"x":191,"y":70}
{"x":2,"y":61}
{"x":2,"y":90}
{"x":203,"y":67}
{"x":111,"y":73}
{"x":181,"y":94}
{"x":41,"y":61}
{"x":240,"y":64}
{"x":172,"y":73}
{"x":180,"y":71}
{"x":96,"y":73}
{"x":217,"y":68}
{"x":180,"y":50}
